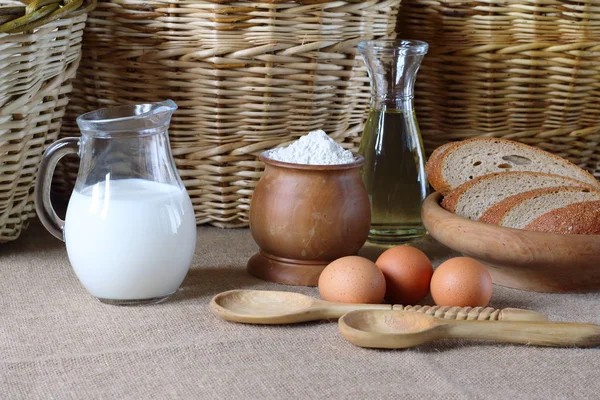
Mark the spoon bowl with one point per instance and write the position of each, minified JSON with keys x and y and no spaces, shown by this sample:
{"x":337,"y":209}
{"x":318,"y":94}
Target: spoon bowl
{"x":265,"y":303}
{"x":403,"y":329}
{"x":360,"y":328}
{"x":386,"y":322}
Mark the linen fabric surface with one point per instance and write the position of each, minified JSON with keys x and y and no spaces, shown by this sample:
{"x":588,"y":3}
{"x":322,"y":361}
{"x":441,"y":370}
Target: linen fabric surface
{"x":58,"y":342}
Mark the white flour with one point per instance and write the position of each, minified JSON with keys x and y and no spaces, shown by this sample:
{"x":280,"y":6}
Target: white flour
{"x":316,"y":148}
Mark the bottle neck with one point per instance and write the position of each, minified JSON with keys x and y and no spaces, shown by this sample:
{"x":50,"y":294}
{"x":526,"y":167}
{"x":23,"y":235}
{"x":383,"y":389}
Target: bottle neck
{"x":392,"y":68}
{"x":394,"y":103}
{"x":392,"y":81}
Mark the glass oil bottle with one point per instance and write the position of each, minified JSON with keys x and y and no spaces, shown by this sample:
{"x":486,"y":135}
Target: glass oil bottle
{"x":394,"y":170}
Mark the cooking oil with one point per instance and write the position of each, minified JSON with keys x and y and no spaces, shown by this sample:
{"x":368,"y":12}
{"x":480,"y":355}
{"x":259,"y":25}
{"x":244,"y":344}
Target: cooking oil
{"x":394,"y":175}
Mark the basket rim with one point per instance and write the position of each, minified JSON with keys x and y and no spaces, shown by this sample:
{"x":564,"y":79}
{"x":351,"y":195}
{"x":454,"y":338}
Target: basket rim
{"x":37,"y":13}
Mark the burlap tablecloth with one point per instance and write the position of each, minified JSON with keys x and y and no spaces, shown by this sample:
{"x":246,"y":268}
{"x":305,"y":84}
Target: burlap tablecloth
{"x":57,"y":342}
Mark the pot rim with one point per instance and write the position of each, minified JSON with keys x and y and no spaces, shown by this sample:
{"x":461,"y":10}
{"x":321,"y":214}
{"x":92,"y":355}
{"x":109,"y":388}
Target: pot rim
{"x":358,"y":162}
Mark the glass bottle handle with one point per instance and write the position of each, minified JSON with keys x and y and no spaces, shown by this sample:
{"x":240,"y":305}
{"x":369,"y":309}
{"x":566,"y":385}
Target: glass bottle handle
{"x":43,"y":204}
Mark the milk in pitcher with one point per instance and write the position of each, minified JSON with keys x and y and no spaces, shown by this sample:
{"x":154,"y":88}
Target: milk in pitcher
{"x":130,"y":238}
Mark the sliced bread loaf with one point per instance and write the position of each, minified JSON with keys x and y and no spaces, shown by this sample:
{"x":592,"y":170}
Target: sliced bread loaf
{"x":466,"y":160}
{"x":577,"y":218}
{"x":520,"y":210}
{"x":473,"y":198}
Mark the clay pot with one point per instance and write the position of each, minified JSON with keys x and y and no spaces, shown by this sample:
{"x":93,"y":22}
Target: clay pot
{"x":305,"y":216}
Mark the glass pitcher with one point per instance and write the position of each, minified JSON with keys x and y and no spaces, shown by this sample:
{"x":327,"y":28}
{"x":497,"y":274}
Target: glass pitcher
{"x":394,"y":170}
{"x":129,"y":230}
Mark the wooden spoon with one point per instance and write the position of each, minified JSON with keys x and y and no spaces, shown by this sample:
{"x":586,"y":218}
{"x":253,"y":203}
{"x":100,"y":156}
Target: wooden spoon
{"x":270,"y":307}
{"x":401,"y":329}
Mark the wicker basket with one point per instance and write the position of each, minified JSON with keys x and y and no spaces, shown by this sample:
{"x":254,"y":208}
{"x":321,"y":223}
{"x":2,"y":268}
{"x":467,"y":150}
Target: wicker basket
{"x":247,"y":76}
{"x":36,"y":68}
{"x":520,"y":69}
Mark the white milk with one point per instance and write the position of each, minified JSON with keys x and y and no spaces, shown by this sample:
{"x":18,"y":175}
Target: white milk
{"x":131,"y":238}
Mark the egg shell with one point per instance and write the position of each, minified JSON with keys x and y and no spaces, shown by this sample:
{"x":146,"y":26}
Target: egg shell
{"x":462,"y":282}
{"x":352,"y":279}
{"x":407,"y":272}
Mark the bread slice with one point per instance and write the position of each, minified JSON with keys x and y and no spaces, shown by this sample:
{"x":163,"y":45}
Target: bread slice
{"x":520,"y":210}
{"x":473,"y":198}
{"x":475,"y":157}
{"x":577,"y":218}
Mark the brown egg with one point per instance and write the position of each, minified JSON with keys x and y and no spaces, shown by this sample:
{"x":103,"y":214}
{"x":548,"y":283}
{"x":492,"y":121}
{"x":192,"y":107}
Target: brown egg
{"x":407,"y":272}
{"x":352,"y":279}
{"x":461,"y":281}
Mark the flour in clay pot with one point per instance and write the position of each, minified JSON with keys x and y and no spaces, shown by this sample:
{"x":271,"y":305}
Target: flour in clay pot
{"x":316,"y":148}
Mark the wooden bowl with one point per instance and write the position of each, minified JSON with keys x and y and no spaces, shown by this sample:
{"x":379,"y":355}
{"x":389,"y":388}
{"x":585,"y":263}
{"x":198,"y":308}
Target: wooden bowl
{"x":520,"y":259}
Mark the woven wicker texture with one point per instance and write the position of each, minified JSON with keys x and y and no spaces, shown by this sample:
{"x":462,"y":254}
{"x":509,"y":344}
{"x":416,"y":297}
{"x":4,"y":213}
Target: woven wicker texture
{"x":527,"y":70}
{"x":247,"y":76}
{"x":36,"y":69}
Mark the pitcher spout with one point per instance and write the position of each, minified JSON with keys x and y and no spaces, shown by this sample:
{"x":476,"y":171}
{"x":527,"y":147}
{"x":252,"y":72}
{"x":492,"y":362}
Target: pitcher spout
{"x":137,"y":118}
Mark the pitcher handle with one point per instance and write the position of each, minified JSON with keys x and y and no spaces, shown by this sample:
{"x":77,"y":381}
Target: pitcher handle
{"x":43,"y":204}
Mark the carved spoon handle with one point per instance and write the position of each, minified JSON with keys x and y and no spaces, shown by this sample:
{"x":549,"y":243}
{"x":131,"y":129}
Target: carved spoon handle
{"x":475,"y":313}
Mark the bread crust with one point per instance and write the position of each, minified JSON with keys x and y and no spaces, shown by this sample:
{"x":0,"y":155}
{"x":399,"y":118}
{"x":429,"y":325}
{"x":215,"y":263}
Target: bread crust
{"x":433,"y":168}
{"x":436,"y":153}
{"x":451,"y":200}
{"x":576,"y":219}
{"x":435,"y":165}
{"x":496,"y":213}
